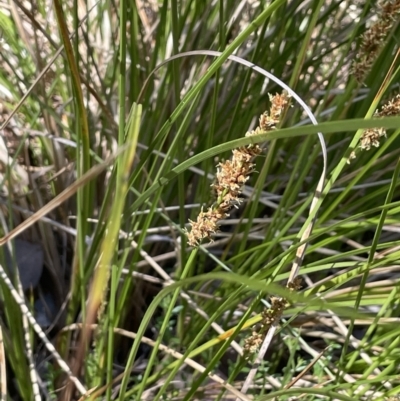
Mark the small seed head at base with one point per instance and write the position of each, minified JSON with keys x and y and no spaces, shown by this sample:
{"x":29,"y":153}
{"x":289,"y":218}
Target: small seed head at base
{"x":205,"y":225}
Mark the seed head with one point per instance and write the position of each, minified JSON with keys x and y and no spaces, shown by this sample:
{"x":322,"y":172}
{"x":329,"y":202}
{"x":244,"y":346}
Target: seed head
{"x":232,"y":175}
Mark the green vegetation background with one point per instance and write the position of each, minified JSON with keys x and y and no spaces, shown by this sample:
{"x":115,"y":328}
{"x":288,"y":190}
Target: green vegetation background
{"x":115,"y":165}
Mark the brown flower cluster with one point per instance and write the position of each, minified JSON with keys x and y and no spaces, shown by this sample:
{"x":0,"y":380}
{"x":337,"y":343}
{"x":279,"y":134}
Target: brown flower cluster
{"x":375,"y":36}
{"x":269,"y":317}
{"x":233,"y":174}
{"x":371,"y":137}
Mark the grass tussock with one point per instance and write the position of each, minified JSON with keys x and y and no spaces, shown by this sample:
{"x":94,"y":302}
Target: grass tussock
{"x":149,"y":250}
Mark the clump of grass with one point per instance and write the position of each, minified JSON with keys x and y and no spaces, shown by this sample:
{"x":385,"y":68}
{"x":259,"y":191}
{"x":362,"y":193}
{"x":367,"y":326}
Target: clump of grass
{"x":124,"y":248}
{"x":233,"y":174}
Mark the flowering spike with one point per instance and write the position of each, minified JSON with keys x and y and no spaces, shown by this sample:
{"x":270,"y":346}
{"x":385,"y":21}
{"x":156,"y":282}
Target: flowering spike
{"x":374,"y":37}
{"x":233,"y":174}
